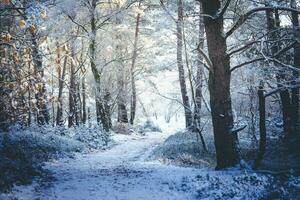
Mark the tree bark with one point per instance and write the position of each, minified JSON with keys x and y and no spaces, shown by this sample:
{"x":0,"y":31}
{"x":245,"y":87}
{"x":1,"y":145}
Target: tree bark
{"x":59,"y":117}
{"x":262,"y":128}
{"x":83,"y":91}
{"x":184,"y":95}
{"x":134,"y":56}
{"x":92,"y":51}
{"x":199,"y":75}
{"x":107,"y":108}
{"x":72,"y":96}
{"x":122,"y":109}
{"x":219,"y":88}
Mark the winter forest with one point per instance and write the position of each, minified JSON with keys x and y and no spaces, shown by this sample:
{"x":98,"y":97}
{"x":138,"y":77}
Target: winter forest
{"x":149,"y":99}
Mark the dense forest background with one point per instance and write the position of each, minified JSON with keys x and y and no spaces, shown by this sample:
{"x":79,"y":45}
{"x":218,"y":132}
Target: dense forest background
{"x":77,"y":72}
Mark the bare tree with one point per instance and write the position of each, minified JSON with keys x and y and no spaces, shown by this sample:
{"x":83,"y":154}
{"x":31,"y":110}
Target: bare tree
{"x":200,"y":71}
{"x":61,"y":76}
{"x":132,"y":74}
{"x":184,"y":94}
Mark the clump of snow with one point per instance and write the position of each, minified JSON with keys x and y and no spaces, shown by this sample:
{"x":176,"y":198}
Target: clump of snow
{"x":184,"y":148}
{"x":148,"y":126}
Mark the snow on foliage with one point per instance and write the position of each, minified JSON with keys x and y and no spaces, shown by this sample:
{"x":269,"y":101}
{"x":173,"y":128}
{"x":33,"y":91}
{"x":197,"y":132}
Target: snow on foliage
{"x":23,"y":152}
{"x":184,"y":148}
{"x":148,"y":126}
{"x":232,"y":185}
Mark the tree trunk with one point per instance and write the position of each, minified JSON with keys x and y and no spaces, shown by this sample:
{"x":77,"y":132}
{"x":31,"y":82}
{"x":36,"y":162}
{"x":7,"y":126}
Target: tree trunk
{"x":107,"y":109}
{"x":89,"y":117}
{"x":78,"y":113}
{"x":96,"y":74}
{"x":184,"y":95}
{"x":83,"y":91}
{"x":122,"y":110}
{"x":262,"y":128}
{"x":134,"y":56}
{"x":59,"y":113}
{"x":102,"y":115}
{"x":199,"y":75}
{"x":29,"y":100}
{"x":219,"y":88}
{"x":72,"y":96}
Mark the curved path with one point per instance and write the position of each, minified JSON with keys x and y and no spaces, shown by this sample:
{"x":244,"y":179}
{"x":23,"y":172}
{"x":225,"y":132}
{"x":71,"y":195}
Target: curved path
{"x":120,"y":173}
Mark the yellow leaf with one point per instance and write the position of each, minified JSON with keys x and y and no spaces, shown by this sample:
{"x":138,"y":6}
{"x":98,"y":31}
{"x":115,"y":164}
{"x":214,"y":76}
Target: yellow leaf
{"x":6,"y":37}
{"x":32,"y":28}
{"x":43,"y":14}
{"x":6,"y":2}
{"x":22,"y":23}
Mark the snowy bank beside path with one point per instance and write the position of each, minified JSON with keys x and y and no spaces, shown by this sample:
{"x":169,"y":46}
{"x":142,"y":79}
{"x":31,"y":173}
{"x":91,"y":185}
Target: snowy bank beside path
{"x":124,"y":173}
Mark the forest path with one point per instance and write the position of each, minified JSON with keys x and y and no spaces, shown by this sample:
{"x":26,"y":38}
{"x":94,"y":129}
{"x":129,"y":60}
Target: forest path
{"x":120,"y":173}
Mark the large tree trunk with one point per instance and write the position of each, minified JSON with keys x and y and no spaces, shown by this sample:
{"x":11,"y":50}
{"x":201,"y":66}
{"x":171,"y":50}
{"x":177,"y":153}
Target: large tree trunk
{"x":219,"y":88}
{"x":199,"y":75}
{"x":134,"y":56}
{"x":184,"y":95}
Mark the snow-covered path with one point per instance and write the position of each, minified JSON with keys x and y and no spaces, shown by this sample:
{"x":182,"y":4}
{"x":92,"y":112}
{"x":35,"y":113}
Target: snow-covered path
{"x":119,"y":173}
{"x":123,"y":173}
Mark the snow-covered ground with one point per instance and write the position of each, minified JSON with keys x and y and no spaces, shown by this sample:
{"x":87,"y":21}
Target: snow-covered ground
{"x":124,"y":173}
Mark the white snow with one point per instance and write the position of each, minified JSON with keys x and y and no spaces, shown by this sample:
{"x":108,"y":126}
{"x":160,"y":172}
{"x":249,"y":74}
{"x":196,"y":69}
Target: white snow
{"x":123,"y":173}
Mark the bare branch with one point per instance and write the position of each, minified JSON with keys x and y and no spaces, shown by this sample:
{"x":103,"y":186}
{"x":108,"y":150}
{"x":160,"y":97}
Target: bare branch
{"x":75,"y":22}
{"x":168,"y":12}
{"x":223,"y":10}
{"x":243,"y":18}
{"x":283,"y":50}
{"x":243,"y":47}
{"x":246,"y":63}
{"x":209,"y":64}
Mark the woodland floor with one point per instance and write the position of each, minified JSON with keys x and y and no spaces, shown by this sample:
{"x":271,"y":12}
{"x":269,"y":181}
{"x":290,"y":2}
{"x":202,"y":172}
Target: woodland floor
{"x":124,"y":173}
{"x":118,"y":173}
